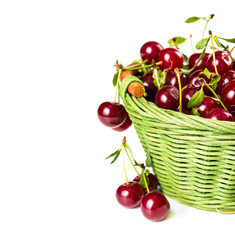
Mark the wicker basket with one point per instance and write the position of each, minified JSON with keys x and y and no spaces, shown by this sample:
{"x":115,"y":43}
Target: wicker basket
{"x":192,"y":157}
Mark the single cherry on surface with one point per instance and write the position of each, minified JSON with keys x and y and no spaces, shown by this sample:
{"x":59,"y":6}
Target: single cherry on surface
{"x":223,"y":62}
{"x":206,"y":106}
{"x":129,"y":195}
{"x":201,"y":64}
{"x":155,"y":206}
{"x":167,"y":97}
{"x":171,"y":79}
{"x":170,"y":58}
{"x":150,"y":50}
{"x":228,"y":95}
{"x":220,"y":114}
{"x":227,"y":77}
{"x":149,"y":86}
{"x":124,"y":126}
{"x":111,"y":114}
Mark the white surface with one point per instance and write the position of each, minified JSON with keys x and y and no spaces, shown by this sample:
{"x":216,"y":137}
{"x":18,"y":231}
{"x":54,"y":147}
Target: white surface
{"x":56,"y":61}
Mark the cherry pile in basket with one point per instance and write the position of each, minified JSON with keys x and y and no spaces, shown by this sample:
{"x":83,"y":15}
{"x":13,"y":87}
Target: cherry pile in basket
{"x":202,"y":84}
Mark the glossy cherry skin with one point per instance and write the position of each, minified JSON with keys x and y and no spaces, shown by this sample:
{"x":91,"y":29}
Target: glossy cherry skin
{"x":206,"y":106}
{"x":167,"y":97}
{"x":228,"y":95}
{"x":155,"y":206}
{"x":202,"y":63}
{"x":187,"y":93}
{"x":111,"y":114}
{"x":125,"y":125}
{"x":170,"y":58}
{"x":220,"y":114}
{"x":153,"y":182}
{"x":129,"y":195}
{"x":194,"y":80}
{"x":171,"y":79}
{"x":227,"y":77}
{"x":223,"y":62}
{"x":150,"y":51}
{"x":149,"y":86}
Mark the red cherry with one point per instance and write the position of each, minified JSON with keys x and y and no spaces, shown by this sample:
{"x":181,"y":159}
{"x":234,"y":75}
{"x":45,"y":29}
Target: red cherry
{"x":150,"y":51}
{"x":223,"y":62}
{"x":125,"y":125}
{"x":167,"y":97}
{"x":206,"y":106}
{"x":129,"y":195}
{"x":228,"y":95}
{"x":193,"y":59}
{"x":155,"y":206}
{"x":170,"y":58}
{"x":227,"y":77}
{"x":220,"y":114}
{"x":171,"y":79}
{"x":111,"y":114}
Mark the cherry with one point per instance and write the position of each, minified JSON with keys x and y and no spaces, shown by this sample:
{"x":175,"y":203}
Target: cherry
{"x":150,"y":50}
{"x":187,"y":93}
{"x":171,"y":79}
{"x":149,"y":86}
{"x":153,"y":182}
{"x":220,"y":114}
{"x":167,"y":97}
{"x":207,"y":104}
{"x":228,"y":95}
{"x":125,"y":125}
{"x":195,"y":82}
{"x":201,"y":64}
{"x":129,"y":195}
{"x":223,"y":62}
{"x":170,"y":58}
{"x":155,"y":206}
{"x":227,"y":77}
{"x":111,"y":114}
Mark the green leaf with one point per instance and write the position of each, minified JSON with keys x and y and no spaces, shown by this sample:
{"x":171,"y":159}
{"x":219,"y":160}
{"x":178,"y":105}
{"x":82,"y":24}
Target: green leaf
{"x":196,"y":99}
{"x":192,"y":19}
{"x":217,"y":42}
{"x":185,"y":58}
{"x":113,"y":154}
{"x":116,"y":157}
{"x":207,"y":73}
{"x":115,"y":79}
{"x":214,"y":82}
{"x":156,"y":78}
{"x":130,"y":151}
{"x":142,"y":182}
{"x":194,"y":111}
{"x":148,"y":161}
{"x":230,"y":40}
{"x":202,"y":43}
{"x":177,"y":40}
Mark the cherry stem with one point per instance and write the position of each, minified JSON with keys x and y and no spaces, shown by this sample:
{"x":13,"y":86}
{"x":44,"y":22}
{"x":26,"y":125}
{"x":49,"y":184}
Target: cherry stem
{"x":213,"y":53}
{"x":141,"y":67}
{"x":216,"y":96}
{"x":191,"y":41}
{"x":157,"y":79}
{"x":127,"y":182}
{"x":117,"y":87}
{"x":145,"y":181}
{"x":180,"y":89}
{"x":207,"y":21}
{"x":131,"y":161}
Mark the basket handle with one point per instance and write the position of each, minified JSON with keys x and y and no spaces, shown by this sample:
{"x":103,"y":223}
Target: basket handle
{"x":124,"y":86}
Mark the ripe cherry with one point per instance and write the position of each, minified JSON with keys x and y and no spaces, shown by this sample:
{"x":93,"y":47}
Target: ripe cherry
{"x":170,"y":58}
{"x":220,"y":114}
{"x":167,"y":97}
{"x":149,"y":86}
{"x":201,"y":64}
{"x":129,"y":195}
{"x":228,"y":95}
{"x":125,"y":125}
{"x":111,"y":114}
{"x":150,"y":50}
{"x":187,"y":93}
{"x":171,"y":79}
{"x":223,"y":62}
{"x":227,"y":77}
{"x":155,"y":206}
{"x":206,"y":106}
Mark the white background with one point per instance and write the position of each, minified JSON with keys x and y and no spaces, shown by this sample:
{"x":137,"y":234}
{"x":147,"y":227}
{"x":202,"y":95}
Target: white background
{"x":56,"y":67}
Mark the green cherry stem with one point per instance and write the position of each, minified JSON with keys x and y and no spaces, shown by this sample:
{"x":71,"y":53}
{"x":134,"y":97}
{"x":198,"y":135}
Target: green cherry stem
{"x":127,"y":182}
{"x":141,"y":67}
{"x":213,"y":52}
{"x":117,"y":87}
{"x":157,"y":79}
{"x":145,"y":181}
{"x":178,"y":73}
{"x":207,"y":21}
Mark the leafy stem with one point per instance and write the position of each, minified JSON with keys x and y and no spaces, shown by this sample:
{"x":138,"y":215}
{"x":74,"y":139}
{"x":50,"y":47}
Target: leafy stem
{"x":145,"y":180}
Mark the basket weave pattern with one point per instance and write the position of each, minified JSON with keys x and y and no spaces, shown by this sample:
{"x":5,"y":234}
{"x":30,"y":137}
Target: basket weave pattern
{"x":192,"y":157}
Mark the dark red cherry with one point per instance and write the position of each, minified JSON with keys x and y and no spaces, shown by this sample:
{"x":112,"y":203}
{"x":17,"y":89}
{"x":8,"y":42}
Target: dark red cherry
{"x":228,"y":95}
{"x":125,"y":125}
{"x":171,"y":79}
{"x":167,"y":97}
{"x":223,"y":62}
{"x":111,"y":114}
{"x":150,"y":51}
{"x":206,"y":106}
{"x":153,"y":182}
{"x":220,"y":114}
{"x":129,"y":195}
{"x":170,"y":58}
{"x":149,"y":86}
{"x":193,"y":59}
{"x":187,"y":93}
{"x":227,"y":77}
{"x":194,"y":80}
{"x":155,"y":206}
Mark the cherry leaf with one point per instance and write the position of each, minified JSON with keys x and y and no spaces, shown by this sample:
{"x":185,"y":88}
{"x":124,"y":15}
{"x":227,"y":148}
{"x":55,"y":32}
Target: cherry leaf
{"x":142,"y":182}
{"x":115,"y":79}
{"x":196,"y":99}
{"x":194,"y":111}
{"x":192,"y":19}
{"x":202,"y":43}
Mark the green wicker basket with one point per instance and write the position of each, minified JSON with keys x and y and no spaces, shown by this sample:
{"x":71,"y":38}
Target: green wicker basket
{"x":192,"y":157}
